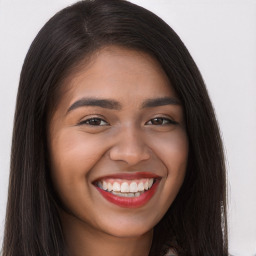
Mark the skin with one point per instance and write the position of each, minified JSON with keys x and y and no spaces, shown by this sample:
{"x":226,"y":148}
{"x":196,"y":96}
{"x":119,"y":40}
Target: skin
{"x":122,"y":140}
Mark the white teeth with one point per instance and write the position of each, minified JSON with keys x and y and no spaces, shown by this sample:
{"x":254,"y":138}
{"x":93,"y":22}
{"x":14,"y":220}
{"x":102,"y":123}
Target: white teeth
{"x":140,"y":187}
{"x":109,"y":186}
{"x":116,"y":193}
{"x":105,"y":185}
{"x":126,"y":194}
{"x":116,"y":186}
{"x":150,"y":183}
{"x":146,"y":185}
{"x":133,"y":187}
{"x":125,"y":187}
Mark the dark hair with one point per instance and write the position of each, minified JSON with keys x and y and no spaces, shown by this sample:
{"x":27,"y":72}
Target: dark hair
{"x":195,"y":224}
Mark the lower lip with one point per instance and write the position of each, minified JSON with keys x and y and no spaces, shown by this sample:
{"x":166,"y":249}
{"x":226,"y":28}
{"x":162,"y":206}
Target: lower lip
{"x":130,"y":202}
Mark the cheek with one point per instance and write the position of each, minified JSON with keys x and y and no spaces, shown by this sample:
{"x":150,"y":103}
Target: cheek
{"x":74,"y":148}
{"x":172,"y":150}
{"x":73,"y":155}
{"x":175,"y":154}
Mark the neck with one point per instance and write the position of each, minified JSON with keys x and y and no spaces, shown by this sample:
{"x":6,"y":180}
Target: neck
{"x":84,"y":240}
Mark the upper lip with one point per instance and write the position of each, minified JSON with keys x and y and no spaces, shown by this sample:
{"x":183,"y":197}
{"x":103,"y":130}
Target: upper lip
{"x":129,"y":176}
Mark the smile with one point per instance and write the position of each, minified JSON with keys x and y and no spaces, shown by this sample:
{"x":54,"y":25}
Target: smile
{"x":126,"y":188}
{"x":129,"y":190}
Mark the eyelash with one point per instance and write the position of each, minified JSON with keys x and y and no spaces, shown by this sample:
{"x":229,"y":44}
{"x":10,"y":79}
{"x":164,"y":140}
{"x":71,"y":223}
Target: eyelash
{"x":165,"y":121}
{"x":86,"y":122}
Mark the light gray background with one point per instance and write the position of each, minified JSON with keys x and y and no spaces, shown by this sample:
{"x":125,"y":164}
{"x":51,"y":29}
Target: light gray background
{"x":220,"y":35}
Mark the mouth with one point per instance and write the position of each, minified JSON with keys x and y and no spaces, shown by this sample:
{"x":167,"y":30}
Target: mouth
{"x":128,"y":190}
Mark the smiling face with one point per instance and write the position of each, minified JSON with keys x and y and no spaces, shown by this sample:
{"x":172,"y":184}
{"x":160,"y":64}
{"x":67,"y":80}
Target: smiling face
{"x":118,"y":126}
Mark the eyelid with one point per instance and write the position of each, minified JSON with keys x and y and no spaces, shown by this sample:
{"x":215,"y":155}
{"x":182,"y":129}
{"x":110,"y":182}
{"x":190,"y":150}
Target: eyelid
{"x":88,"y":118}
{"x":171,"y":121}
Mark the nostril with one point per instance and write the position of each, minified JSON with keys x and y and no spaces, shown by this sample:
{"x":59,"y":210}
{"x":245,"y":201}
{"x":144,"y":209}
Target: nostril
{"x":128,"y":155}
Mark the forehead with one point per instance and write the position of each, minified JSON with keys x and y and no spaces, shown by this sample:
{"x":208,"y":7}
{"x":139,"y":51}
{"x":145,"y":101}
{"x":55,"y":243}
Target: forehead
{"x":116,"y":72}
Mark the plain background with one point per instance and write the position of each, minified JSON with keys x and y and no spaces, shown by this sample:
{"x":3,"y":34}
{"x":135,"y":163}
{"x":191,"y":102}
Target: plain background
{"x":221,"y":37}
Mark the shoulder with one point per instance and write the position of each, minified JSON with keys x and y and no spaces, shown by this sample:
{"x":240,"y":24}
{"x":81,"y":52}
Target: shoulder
{"x":171,"y":253}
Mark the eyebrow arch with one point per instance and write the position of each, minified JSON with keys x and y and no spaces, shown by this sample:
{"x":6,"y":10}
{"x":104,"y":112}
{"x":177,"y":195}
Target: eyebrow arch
{"x":103,"y":103}
{"x":160,"y":102}
{"x":112,"y":104}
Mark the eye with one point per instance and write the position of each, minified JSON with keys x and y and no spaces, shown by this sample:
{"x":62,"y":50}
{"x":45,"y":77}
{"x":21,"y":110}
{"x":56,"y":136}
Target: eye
{"x":95,"y":121}
{"x":161,"y":121}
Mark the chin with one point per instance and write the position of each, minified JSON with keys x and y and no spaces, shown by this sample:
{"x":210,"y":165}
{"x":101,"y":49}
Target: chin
{"x":129,"y":232}
{"x":127,"y":228}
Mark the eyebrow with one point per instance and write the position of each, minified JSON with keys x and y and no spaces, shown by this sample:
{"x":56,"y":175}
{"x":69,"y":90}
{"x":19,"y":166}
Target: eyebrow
{"x":112,"y":104}
{"x":103,"y":103}
{"x":156,"y":102}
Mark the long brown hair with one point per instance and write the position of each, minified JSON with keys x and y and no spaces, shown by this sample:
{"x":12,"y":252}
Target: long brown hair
{"x":195,"y":224}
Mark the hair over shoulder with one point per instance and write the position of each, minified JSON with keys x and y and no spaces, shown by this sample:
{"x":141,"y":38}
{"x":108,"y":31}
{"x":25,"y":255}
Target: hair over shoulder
{"x":196,"y":223}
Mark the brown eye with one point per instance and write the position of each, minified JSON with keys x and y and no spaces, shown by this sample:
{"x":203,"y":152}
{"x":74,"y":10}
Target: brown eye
{"x":160,"y":121}
{"x":157,"y":121}
{"x":94,"y":122}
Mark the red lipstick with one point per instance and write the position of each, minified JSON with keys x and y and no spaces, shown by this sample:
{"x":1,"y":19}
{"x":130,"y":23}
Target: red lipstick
{"x":130,"y":202}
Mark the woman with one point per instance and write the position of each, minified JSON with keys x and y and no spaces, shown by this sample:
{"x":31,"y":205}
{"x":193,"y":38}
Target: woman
{"x":116,"y":149}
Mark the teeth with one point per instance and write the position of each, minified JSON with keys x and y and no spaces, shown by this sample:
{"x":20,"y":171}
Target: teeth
{"x":99,"y":184}
{"x":140,"y":187}
{"x":146,"y":185}
{"x":126,"y":194}
{"x":133,"y":187}
{"x":130,"y":194}
{"x":150,"y":183}
{"x":105,"y":185}
{"x":125,"y":187}
{"x":116,"y":186}
{"x":109,"y":187}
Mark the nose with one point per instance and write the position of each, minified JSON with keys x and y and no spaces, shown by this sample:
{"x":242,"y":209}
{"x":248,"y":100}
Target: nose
{"x":130,"y":147}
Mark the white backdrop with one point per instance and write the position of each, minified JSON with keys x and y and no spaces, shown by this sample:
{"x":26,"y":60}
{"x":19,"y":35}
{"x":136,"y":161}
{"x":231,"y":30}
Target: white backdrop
{"x":220,"y":35}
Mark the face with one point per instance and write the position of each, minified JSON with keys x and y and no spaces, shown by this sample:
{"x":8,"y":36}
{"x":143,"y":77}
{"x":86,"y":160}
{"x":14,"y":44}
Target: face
{"x":118,"y":144}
